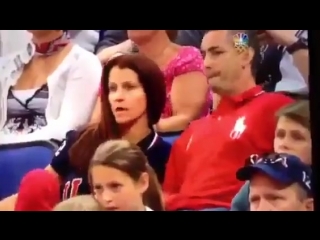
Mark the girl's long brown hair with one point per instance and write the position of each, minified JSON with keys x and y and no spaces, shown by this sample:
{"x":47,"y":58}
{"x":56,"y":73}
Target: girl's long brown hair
{"x":152,"y":81}
{"x":128,"y":158}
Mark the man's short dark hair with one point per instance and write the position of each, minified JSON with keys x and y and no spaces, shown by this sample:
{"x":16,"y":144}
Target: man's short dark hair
{"x":253,"y":43}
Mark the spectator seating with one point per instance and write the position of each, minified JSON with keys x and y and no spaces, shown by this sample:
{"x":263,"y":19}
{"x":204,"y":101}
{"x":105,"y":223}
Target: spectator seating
{"x":18,"y":159}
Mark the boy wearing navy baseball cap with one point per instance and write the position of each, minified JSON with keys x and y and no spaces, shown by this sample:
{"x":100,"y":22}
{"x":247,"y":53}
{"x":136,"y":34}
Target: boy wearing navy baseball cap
{"x":278,"y":182}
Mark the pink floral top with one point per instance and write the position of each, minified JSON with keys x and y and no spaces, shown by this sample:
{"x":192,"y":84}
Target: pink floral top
{"x":189,"y":59}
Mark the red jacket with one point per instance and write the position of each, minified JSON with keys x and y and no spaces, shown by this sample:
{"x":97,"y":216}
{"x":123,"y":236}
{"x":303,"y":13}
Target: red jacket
{"x":201,"y":171}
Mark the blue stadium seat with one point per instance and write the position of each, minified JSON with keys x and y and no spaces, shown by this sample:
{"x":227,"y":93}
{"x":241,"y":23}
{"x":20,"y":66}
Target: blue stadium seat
{"x":18,"y":159}
{"x":170,"y":137}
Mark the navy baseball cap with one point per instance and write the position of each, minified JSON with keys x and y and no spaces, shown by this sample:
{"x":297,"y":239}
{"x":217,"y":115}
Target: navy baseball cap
{"x":284,"y":168}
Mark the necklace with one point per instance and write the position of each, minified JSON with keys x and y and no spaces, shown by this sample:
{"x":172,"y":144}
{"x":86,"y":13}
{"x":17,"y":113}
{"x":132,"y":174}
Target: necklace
{"x":49,"y":48}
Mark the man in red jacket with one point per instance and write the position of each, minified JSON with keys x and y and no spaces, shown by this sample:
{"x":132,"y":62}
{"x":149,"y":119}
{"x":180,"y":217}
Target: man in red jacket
{"x":201,"y":172}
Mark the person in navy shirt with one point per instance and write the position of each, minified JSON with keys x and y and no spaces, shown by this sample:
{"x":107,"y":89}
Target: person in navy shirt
{"x":133,"y":95}
{"x":76,"y":182}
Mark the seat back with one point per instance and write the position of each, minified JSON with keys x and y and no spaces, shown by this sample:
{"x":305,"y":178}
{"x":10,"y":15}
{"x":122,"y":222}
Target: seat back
{"x":170,"y":137}
{"x":18,"y":159}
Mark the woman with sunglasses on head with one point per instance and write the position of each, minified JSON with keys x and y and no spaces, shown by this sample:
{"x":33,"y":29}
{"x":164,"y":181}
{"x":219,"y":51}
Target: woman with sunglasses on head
{"x":132,"y":98}
{"x":122,"y":180}
{"x":292,"y":136}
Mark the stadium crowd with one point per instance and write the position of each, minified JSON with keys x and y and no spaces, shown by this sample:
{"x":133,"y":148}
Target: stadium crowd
{"x":154,"y":120}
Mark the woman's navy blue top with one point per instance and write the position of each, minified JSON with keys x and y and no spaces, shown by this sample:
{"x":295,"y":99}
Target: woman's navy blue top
{"x":75,"y":183}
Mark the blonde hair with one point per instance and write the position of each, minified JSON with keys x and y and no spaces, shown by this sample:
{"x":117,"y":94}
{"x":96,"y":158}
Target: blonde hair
{"x":78,"y":203}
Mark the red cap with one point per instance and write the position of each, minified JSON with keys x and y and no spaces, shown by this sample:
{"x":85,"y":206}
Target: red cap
{"x":39,"y":191}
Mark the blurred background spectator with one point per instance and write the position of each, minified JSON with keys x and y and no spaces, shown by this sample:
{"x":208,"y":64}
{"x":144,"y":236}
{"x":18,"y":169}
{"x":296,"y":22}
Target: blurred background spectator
{"x":42,"y":87}
{"x":38,"y":96}
{"x":285,"y":60}
{"x":184,"y":76}
{"x":112,"y":41}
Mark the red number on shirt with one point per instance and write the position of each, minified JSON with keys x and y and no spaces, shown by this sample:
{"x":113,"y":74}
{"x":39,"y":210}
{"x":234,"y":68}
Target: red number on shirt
{"x":67,"y":192}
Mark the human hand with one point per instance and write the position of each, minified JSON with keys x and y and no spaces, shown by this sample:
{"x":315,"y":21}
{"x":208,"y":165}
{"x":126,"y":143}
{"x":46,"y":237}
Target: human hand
{"x":106,"y":54}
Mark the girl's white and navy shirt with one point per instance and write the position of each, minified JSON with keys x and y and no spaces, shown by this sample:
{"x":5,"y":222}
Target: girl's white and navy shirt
{"x":74,"y":183}
{"x":148,"y":209}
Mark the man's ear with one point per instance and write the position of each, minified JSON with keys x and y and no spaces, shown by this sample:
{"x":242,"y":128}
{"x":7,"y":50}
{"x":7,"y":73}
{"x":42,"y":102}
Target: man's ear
{"x":247,"y":56}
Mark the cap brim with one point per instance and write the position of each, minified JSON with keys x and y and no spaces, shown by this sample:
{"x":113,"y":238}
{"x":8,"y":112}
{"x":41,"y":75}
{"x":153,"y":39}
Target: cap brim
{"x":246,"y":173}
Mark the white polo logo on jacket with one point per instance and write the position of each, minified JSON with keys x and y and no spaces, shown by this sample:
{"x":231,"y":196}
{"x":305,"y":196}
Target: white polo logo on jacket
{"x":238,"y":128}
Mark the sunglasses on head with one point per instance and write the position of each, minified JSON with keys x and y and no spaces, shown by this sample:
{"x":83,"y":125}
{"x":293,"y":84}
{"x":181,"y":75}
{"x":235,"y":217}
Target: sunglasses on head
{"x":267,"y":159}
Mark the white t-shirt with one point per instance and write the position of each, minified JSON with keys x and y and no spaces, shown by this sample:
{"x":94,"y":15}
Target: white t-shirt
{"x":292,"y":80}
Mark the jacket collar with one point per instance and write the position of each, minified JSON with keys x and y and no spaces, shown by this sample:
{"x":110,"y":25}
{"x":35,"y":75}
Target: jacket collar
{"x":148,"y":142}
